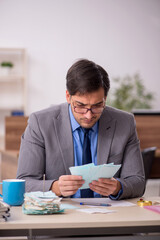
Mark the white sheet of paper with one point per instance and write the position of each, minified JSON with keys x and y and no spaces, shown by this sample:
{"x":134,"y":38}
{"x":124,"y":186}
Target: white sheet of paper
{"x":113,"y":203}
{"x":90,"y":172}
{"x":68,"y":206}
{"x":96,"y":210}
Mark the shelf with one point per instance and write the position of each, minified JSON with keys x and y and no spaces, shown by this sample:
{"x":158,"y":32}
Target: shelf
{"x":13,"y":92}
{"x":12,"y":50}
{"x":11,"y":78}
{"x":11,"y":108}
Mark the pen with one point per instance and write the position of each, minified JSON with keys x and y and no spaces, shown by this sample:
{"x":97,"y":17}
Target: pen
{"x":96,"y":204}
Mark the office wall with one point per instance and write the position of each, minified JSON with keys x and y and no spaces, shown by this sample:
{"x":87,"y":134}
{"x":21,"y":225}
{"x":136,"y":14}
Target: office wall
{"x":121,"y":35}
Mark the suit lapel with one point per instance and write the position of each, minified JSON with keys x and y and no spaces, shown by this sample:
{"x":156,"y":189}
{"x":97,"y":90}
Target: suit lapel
{"x":64,"y":134}
{"x":105,"y":135}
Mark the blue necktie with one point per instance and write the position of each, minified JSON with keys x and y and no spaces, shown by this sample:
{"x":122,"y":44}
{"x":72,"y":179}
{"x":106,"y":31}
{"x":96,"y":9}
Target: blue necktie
{"x":86,"y":158}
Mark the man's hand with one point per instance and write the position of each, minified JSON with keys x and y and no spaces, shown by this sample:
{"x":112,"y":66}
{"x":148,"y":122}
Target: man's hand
{"x":67,"y":185}
{"x":106,"y":186}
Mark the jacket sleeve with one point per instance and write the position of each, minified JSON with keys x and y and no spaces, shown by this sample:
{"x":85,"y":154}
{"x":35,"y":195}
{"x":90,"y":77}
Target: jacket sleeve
{"x":132,"y":175}
{"x":31,"y":162}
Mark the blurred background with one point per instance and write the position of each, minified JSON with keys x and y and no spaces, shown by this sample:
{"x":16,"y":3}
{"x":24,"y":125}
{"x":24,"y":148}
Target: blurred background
{"x":121,"y":35}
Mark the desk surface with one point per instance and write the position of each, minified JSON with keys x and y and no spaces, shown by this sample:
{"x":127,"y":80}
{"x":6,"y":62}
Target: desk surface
{"x":126,"y":220}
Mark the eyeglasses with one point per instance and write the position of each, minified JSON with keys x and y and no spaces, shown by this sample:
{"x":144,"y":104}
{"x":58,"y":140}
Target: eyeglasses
{"x":84,"y":110}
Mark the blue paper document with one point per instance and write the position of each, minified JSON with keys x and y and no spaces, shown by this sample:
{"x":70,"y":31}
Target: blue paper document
{"x":90,"y":172}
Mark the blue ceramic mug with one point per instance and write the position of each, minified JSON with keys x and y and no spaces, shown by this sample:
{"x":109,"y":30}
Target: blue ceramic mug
{"x":13,"y":191}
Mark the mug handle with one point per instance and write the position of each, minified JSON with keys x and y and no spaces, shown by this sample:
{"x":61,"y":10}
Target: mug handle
{"x":1,"y":194}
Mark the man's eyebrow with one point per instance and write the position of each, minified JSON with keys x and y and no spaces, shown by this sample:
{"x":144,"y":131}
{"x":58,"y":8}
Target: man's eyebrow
{"x":80,"y":103}
{"x":87,"y":104}
{"x":97,"y":103}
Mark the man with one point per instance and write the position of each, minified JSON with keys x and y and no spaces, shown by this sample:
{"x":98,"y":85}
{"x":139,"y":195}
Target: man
{"x":54,"y":140}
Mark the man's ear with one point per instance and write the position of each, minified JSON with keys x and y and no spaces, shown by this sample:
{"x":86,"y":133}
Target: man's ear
{"x":68,"y":97}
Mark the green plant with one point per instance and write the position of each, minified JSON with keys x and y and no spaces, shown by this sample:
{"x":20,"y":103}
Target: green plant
{"x":7,"y":64}
{"x":130,"y":93}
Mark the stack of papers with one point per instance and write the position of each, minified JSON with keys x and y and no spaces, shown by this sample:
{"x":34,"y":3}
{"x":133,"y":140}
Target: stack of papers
{"x":4,"y":211}
{"x":91,"y":172}
{"x":41,"y":203}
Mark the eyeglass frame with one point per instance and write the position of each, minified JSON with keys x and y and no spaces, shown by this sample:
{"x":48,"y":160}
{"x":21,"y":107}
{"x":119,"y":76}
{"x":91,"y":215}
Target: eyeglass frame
{"x":89,"y":109}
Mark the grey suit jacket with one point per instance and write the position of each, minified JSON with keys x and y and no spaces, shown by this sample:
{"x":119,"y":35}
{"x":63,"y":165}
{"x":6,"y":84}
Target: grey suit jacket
{"x":47,"y":147}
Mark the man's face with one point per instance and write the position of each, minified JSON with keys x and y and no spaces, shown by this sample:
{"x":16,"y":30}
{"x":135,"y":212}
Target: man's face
{"x":80,"y":103}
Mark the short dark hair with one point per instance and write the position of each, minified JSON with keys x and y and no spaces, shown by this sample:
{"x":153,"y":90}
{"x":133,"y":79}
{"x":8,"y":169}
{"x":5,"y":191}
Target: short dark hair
{"x":85,"y":76}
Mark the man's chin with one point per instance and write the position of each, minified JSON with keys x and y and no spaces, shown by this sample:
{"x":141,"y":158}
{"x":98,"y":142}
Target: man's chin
{"x":87,"y":124}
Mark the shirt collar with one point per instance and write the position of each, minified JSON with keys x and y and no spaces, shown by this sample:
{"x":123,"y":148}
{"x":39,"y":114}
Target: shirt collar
{"x":75,"y":125}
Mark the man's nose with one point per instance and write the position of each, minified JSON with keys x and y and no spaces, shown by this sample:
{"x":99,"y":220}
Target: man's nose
{"x":89,"y":114}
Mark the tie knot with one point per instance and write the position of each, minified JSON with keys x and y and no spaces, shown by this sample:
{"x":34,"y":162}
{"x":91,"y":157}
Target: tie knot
{"x":86,"y":130}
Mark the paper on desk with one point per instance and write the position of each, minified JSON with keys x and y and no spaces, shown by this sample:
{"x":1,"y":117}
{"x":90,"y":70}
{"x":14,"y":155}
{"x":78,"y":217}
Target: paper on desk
{"x":113,"y":203}
{"x":68,"y":206}
{"x":96,"y":210}
{"x":90,"y":172}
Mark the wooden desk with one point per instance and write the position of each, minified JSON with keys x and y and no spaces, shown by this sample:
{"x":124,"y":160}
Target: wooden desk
{"x":157,"y":154}
{"x":148,"y":129}
{"x":8,"y":163}
{"x":14,"y":128}
{"x":126,"y":220}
